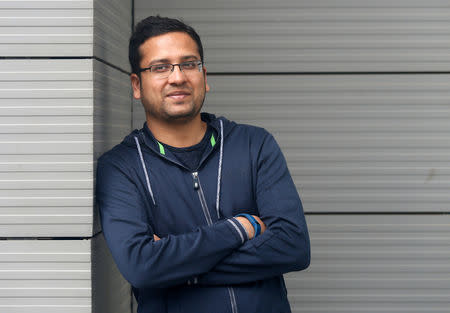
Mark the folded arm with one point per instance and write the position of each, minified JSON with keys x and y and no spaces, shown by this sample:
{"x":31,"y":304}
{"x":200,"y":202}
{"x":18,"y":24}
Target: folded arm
{"x":284,"y":246}
{"x":143,"y":261}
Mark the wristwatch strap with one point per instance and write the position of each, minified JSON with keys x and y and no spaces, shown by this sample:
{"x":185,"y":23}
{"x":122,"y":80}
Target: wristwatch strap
{"x":252,"y":221}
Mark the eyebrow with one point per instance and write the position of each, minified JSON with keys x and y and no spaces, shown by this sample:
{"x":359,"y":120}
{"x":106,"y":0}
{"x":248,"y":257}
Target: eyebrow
{"x":186,"y":57}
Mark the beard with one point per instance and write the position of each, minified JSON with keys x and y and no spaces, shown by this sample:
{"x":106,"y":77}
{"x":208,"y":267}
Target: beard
{"x":175,"y":112}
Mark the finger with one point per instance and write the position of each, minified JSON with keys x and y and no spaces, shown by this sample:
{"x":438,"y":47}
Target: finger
{"x":156,"y":238}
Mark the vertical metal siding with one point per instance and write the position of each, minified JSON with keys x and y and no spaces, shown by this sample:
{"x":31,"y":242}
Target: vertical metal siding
{"x":311,"y":35}
{"x":49,"y":276}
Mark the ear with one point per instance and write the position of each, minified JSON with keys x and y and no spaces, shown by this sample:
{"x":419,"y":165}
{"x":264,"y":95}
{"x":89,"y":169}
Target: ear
{"x":207,"y":88}
{"x":136,"y":85}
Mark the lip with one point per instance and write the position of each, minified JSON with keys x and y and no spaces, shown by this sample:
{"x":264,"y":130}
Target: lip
{"x":178,"y":94}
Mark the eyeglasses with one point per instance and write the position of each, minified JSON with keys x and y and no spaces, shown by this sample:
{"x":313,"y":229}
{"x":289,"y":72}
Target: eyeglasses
{"x":164,"y":70}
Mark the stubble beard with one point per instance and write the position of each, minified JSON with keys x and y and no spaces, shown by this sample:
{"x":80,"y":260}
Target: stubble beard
{"x":180,"y":118}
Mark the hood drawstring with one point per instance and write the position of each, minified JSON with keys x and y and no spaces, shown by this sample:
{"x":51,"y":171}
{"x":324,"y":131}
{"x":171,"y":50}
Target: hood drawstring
{"x":149,"y":187}
{"x":219,"y":171}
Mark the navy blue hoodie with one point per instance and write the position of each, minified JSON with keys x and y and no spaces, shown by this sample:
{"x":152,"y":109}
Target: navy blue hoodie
{"x":204,"y":262}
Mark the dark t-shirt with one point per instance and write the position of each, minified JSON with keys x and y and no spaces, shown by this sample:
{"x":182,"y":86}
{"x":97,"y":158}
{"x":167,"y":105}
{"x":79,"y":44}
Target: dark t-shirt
{"x":191,"y":156}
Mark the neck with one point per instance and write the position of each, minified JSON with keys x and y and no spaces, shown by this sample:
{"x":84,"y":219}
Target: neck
{"x":179,"y":135}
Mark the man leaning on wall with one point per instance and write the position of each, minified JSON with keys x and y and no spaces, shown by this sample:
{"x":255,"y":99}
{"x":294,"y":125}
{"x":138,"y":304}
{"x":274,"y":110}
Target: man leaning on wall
{"x":200,"y":213}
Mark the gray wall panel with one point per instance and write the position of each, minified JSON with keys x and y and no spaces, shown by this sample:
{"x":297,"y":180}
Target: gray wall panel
{"x":112,"y":107}
{"x":307,"y":35}
{"x":46,"y":28}
{"x":52,"y":129}
{"x":45,"y":276}
{"x":112,"y":30}
{"x":374,"y":263}
{"x":46,"y":134}
{"x":361,"y":143}
{"x":66,"y":28}
{"x":56,"y":117}
{"x":112,"y":117}
{"x":111,"y":292}
{"x":138,"y":114}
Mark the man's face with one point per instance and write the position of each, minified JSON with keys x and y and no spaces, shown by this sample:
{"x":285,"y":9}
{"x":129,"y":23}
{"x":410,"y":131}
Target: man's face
{"x":179,"y":97}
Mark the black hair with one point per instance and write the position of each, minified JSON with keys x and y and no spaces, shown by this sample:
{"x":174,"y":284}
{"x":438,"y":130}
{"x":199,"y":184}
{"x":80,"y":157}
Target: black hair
{"x":153,"y":26}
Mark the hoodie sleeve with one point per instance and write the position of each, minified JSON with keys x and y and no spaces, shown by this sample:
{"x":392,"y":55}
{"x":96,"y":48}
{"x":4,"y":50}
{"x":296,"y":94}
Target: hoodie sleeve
{"x":284,"y":246}
{"x":146,"y":263}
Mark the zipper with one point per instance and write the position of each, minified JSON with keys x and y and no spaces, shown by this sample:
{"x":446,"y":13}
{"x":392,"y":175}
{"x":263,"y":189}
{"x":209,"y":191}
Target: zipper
{"x":201,"y":196}
{"x":197,"y":186}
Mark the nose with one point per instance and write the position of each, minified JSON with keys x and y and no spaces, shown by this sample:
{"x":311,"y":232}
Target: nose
{"x":176,"y":76}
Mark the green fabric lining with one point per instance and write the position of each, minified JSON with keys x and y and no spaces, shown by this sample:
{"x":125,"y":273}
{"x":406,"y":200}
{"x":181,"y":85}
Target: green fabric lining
{"x":161,"y":149}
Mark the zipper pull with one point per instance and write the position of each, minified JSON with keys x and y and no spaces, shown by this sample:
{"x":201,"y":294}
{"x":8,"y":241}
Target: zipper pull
{"x":195,"y":176}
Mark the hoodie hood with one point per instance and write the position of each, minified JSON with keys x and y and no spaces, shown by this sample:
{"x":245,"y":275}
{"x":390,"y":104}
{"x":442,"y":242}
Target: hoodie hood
{"x":146,"y":137}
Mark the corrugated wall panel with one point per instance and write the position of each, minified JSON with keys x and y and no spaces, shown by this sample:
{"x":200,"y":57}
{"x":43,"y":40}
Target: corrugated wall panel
{"x":111,"y":292}
{"x":46,"y":135}
{"x":46,"y":28}
{"x":112,"y":107}
{"x":354,"y":143}
{"x":112,"y":121}
{"x":310,"y":36}
{"x":66,"y":28}
{"x":375,"y":263}
{"x":112,"y":30}
{"x":49,"y":276}
{"x":112,"y":112}
{"x":138,"y":114}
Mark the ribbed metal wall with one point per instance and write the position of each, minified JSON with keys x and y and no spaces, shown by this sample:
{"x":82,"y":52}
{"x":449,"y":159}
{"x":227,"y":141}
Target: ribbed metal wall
{"x":47,"y":127}
{"x":354,"y":143}
{"x":50,"y":276}
{"x":47,"y":143}
{"x":375,"y":263}
{"x":112,"y":107}
{"x":356,"y":93}
{"x":65,"y":99}
{"x":110,"y":292}
{"x":316,"y":35}
{"x":112,"y":25}
{"x":46,"y":28}
{"x":82,"y":28}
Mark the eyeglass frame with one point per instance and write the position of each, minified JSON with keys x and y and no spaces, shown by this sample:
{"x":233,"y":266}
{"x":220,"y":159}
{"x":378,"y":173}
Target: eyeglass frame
{"x":198,"y":62}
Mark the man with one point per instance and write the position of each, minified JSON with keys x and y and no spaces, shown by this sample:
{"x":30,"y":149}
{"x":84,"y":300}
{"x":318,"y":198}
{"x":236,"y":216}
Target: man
{"x":171,"y":194}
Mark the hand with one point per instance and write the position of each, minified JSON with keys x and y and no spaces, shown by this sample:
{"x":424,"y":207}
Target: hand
{"x":249,"y":227}
{"x":156,"y":238}
{"x":261,"y":223}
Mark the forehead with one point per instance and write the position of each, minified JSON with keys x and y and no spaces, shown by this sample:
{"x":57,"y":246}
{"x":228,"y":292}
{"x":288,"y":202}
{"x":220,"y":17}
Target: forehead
{"x":171,"y":46}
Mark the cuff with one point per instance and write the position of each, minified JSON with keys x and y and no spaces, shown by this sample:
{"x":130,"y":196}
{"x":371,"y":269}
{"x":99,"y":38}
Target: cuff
{"x":237,"y":226}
